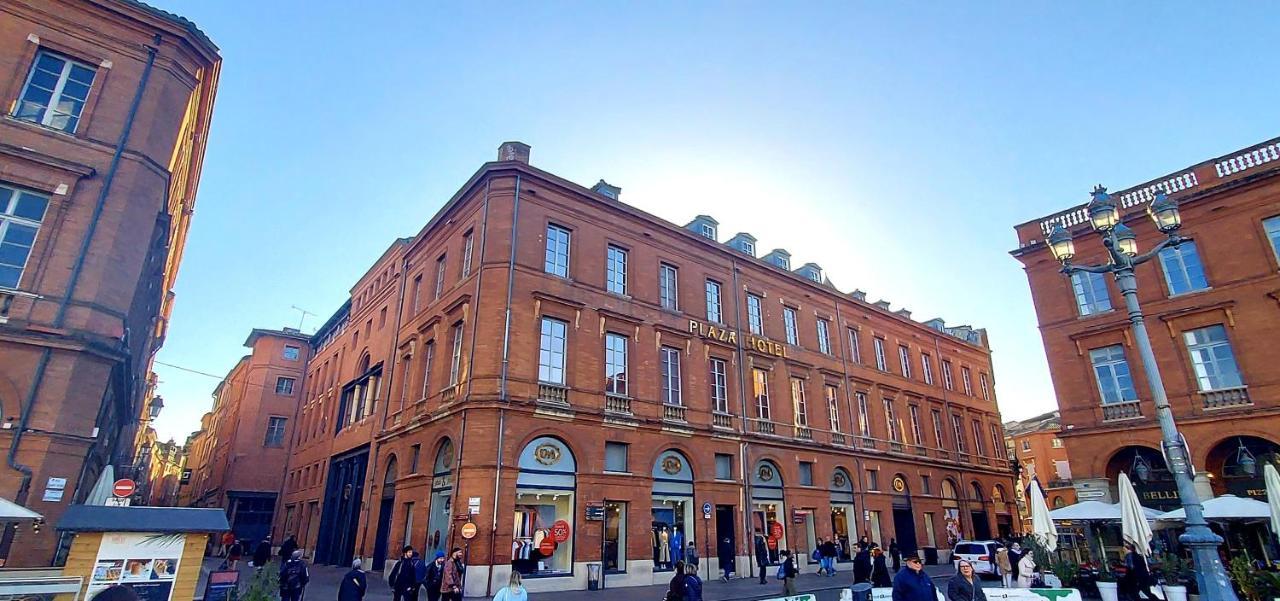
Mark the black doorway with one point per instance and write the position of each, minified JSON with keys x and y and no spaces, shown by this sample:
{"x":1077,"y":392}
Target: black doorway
{"x":384,"y":532}
{"x":981,"y":529}
{"x":904,"y":530}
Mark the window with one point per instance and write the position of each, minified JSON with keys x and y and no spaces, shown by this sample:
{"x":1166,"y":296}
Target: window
{"x":798,"y":403}
{"x":977,"y":437}
{"x":806,"y":473}
{"x":724,"y":466}
{"x":713,"y":301}
{"x":755,"y":320}
{"x":749,"y":247}
{"x":904,"y":359}
{"x":415,"y":453}
{"x":957,"y":428}
{"x":947,"y":380}
{"x":440,"y":268}
{"x":467,"y":244}
{"x":1091,"y":292}
{"x":824,"y":337}
{"x":789,"y":322}
{"x":416,"y":295}
{"x":455,"y":361}
{"x":1026,"y":446}
{"x":833,"y":406}
{"x":615,"y":456}
{"x":882,"y":364}
{"x":1211,"y":356}
{"x":891,"y":420}
{"x":1057,"y":443}
{"x":615,"y":364}
{"x":551,"y":350}
{"x":1112,"y":372}
{"x":382,"y":318}
{"x":926,"y":368}
{"x":1182,"y":269}
{"x":1272,"y":226}
{"x":284,"y":385}
{"x":671,"y":376}
{"x":985,"y":386}
{"x":275,"y":432}
{"x":55,"y":92}
{"x":719,"y":388}
{"x":20,"y":215}
{"x":707,"y":230}
{"x":616,"y":270}
{"x":996,"y":439}
{"x":855,"y":348}
{"x":760,"y":383}
{"x":557,"y":255}
{"x":915,"y":425}
{"x":937,"y":427}
{"x":967,"y":379}
{"x":873,"y":479}
{"x":428,"y":356}
{"x":864,"y":421}
{"x":669,"y":286}
{"x":291,"y":353}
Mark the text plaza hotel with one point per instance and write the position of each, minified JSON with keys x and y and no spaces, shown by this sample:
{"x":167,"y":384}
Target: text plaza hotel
{"x":585,"y":382}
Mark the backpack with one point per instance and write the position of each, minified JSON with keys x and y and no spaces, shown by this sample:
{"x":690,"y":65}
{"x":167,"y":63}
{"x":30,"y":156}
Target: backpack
{"x":816,"y":555}
{"x":420,"y":570}
{"x":782,"y":572}
{"x":291,"y":576}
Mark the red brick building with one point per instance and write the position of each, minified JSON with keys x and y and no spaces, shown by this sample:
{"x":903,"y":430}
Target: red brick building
{"x":1213,"y":312}
{"x":1041,"y":454}
{"x":106,"y":111}
{"x":541,"y":355}
{"x":243,"y":445}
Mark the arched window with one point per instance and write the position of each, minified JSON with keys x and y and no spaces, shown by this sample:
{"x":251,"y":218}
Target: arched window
{"x":544,"y":508}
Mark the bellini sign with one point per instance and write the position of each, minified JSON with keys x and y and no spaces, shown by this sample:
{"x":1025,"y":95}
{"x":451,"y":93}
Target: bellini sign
{"x":751,"y":341}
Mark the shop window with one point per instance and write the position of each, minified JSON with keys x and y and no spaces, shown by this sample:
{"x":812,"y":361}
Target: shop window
{"x":768,"y":512}
{"x":615,"y":536}
{"x":806,"y":473}
{"x":543,"y":531}
{"x":672,"y":510}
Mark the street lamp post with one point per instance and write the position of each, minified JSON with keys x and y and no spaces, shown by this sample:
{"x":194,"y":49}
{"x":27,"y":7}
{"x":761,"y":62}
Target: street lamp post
{"x":1122,"y":246}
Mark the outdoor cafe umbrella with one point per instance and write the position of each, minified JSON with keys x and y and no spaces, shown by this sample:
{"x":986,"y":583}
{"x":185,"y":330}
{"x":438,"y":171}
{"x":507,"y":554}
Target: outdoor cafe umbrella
{"x":1273,"y":495}
{"x":1041,"y":525}
{"x":1227,"y":508}
{"x":1133,"y":521}
{"x":1094,"y":511}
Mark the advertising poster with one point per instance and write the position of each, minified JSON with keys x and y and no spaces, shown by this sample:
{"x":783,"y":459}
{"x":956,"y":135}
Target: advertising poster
{"x":951,"y":517}
{"x":147,"y":563}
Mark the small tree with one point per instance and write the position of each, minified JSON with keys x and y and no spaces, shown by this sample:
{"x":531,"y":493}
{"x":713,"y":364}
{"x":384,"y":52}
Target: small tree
{"x":264,"y":585}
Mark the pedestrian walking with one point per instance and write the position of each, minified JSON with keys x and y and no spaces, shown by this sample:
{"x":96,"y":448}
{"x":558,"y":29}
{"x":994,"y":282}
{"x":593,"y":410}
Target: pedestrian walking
{"x":354,"y":585}
{"x":1137,"y":579}
{"x":724,"y":552}
{"x":691,"y":556}
{"x":965,"y":585}
{"x":514,"y":591}
{"x":1015,"y":558}
{"x":912,"y":584}
{"x":789,"y":573}
{"x":762,"y":555}
{"x":829,"y":553}
{"x":676,"y":589}
{"x":692,"y":584}
{"x":454,"y":572}
{"x":287,"y":548}
{"x":262,"y":554}
{"x":862,"y":565}
{"x":863,"y":543}
{"x":1026,"y":570}
{"x":404,"y":579}
{"x":435,"y":575}
{"x":228,"y":539}
{"x":293,"y":578}
{"x":1004,"y":566}
{"x":879,"y":569}
{"x":896,"y":553}
{"x":234,"y":553}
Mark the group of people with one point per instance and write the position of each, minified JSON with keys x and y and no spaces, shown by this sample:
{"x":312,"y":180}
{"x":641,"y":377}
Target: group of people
{"x":442,"y":578}
{"x":233,"y":550}
{"x":1016,"y":567}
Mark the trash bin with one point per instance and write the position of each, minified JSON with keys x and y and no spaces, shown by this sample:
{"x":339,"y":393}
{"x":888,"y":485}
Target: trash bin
{"x":593,"y":576}
{"x":931,"y":556}
{"x":861,"y":591}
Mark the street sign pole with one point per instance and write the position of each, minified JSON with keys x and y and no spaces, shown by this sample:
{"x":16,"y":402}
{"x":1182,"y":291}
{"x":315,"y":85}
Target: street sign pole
{"x":602,"y":537}
{"x":706,"y":536}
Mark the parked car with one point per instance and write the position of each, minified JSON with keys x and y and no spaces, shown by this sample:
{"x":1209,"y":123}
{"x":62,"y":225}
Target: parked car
{"x":980,"y":553}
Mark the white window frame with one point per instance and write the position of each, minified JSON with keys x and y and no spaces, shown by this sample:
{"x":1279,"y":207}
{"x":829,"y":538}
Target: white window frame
{"x":855,"y":346}
{"x":1271,"y":227}
{"x":799,"y":405}
{"x":824,"y":337}
{"x":428,"y":357}
{"x":985,"y":385}
{"x":936,"y":415}
{"x":455,"y":360}
{"x":789,"y":325}
{"x":882,"y":362}
{"x":706,"y":230}
{"x":441,"y":267}
{"x":978,"y":447}
{"x":714,"y":312}
{"x":615,"y":362}
{"x":1212,"y":358}
{"x":996,"y":440}
{"x":616,"y":269}
{"x":966,"y":378}
{"x":760,"y":390}
{"x":915,"y":425}
{"x":957,"y":426}
{"x":755,"y":315}
{"x":285,"y":385}
{"x":553,"y":345}
{"x":926,"y":368}
{"x":891,"y":420}
{"x":864,"y":420}
{"x":49,"y":113}
{"x":669,"y":286}
{"x":1091,"y":293}
{"x":467,"y":244}
{"x":297,"y":352}
{"x":719,"y":385}
{"x":670,"y":360}
{"x":904,"y":359}
{"x":833,"y":406}
{"x":1107,"y":363}
{"x":8,"y":218}
{"x":948,"y":380}
{"x":749,"y":248}
{"x":283,"y":423}
{"x":1174,"y":265}
{"x":555,"y":260}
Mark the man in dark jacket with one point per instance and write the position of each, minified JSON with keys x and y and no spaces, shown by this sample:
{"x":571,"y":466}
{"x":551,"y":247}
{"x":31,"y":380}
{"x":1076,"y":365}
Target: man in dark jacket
{"x":724,"y":551}
{"x":404,"y":576}
{"x":435,"y":575}
{"x":862,"y":565}
{"x":262,"y":554}
{"x":789,"y":573}
{"x":762,"y":555}
{"x":912,"y":584}
{"x":353,"y":585}
{"x":828,"y":552}
{"x":895,"y":552}
{"x":293,"y":578}
{"x":287,"y":548}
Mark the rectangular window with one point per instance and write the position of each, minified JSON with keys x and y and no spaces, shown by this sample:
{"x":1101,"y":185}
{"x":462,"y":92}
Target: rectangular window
{"x":760,"y":384}
{"x":440,"y":269}
{"x":926,"y":368}
{"x":873,"y":479}
{"x":966,"y":378}
{"x":671,"y":376}
{"x":891,"y":420}
{"x":929,"y":533}
{"x":556,"y":261}
{"x":416,"y":295}
{"x":915,"y":425}
{"x":882,"y":363}
{"x":455,"y":361}
{"x":855,"y":346}
{"x":1211,"y":356}
{"x":864,"y":420}
{"x":467,"y":244}
{"x":1112,"y":372}
{"x":996,"y":440}
{"x":382,"y":318}
{"x":1026,"y":446}
{"x":904,"y":360}
{"x":669,"y":286}
{"x":824,"y":337}
{"x":977,"y":438}
{"x":415,"y":453}
{"x":615,"y":364}
{"x":407,"y":534}
{"x":428,"y":356}
{"x":985,"y":386}
{"x":1057,"y":443}
{"x":724,"y":466}
{"x":957,"y":428}
{"x":937,"y":428}
{"x":707,"y":230}
{"x":55,"y":92}
{"x":551,"y":351}
{"x":947,"y":379}
{"x":291,"y":353}
{"x":285,"y":385}
{"x":616,"y":270}
{"x":1182,"y":269}
{"x":806,"y":473}
{"x":755,"y":319}
{"x":275,"y":432}
{"x":1271,"y":226}
{"x":1091,"y":292}
{"x":789,"y":322}
{"x":713,"y":301}
{"x":833,"y":406}
{"x":615,"y":456}
{"x":719,"y":386}
{"x":926,"y":487}
{"x":798,"y":403}
{"x":20,"y":215}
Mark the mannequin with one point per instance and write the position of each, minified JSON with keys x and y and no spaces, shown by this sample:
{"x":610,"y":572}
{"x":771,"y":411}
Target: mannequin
{"x":676,"y":548}
{"x":664,"y":546}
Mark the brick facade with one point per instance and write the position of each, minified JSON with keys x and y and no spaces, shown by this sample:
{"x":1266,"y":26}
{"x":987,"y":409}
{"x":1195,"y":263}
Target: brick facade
{"x":1034,"y":443}
{"x":90,"y":260}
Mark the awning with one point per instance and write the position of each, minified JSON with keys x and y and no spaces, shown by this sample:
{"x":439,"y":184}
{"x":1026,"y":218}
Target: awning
{"x":1094,"y":511}
{"x":10,"y":511}
{"x":1226,"y":507}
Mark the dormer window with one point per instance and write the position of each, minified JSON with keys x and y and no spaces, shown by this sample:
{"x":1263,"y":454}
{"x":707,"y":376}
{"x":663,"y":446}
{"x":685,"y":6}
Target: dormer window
{"x":748,"y":247}
{"x":707,"y":230}
{"x":782,"y":262}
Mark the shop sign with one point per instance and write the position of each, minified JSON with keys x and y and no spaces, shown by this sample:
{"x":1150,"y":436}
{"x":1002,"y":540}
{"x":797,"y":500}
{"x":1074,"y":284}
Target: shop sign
{"x":147,"y":563}
{"x":1248,"y":488}
{"x":469,"y":530}
{"x":711,"y":332}
{"x":444,"y":481}
{"x":595,"y":513}
{"x":473,"y":505}
{"x":560,"y":531}
{"x":775,"y":530}
{"x":798,"y":517}
{"x":462,"y":517}
{"x":899,"y":484}
{"x":1090,"y":494}
{"x":1159,"y":495}
{"x":547,"y":547}
{"x":547,"y":453}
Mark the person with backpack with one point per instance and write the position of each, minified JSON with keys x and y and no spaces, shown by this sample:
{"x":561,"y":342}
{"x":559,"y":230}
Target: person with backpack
{"x":787,"y":572}
{"x":514,"y":591}
{"x":816,"y":556}
{"x":678,"y":586}
{"x":234,"y":552}
{"x":434,"y":576}
{"x":762,"y":555}
{"x":404,"y":576}
{"x":691,"y":556}
{"x":354,"y":585}
{"x":692,"y":583}
{"x":454,"y":571}
{"x":293,"y":578}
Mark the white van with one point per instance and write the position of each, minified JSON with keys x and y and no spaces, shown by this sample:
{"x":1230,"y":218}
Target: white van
{"x":980,"y":553}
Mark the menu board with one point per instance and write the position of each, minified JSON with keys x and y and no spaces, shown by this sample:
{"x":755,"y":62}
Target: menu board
{"x":147,"y":563}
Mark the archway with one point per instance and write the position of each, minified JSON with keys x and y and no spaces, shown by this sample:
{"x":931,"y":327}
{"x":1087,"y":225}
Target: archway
{"x":843,"y":516}
{"x":1004,"y":518}
{"x":440,"y":504}
{"x":385,"y":510}
{"x":978,"y":512}
{"x":1150,"y":476}
{"x":1237,"y":464}
{"x":673,"y":526}
{"x":951,"y":512}
{"x":542,"y":541}
{"x":768,"y":512}
{"x":904,"y":519}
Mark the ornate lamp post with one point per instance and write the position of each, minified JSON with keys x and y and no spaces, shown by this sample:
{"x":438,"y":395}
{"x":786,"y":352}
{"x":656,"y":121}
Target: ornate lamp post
{"x":1122,"y":246}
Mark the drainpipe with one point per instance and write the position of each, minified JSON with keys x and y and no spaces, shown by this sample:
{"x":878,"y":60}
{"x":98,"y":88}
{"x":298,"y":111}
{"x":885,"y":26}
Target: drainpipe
{"x":848,"y":402}
{"x":743,"y":451}
{"x":60,"y":318}
{"x":502,"y":384}
{"x":961,"y":499}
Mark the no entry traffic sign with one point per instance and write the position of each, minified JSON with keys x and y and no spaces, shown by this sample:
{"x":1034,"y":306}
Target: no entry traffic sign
{"x":123,"y":487}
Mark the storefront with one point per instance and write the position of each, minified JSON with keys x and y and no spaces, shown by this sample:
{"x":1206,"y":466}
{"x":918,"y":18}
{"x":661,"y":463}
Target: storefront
{"x":672,"y":528}
{"x":951,"y":513}
{"x":615,"y":536}
{"x":768,"y":512}
{"x":978,"y":512}
{"x":543,"y":527}
{"x":441,"y":501}
{"x":904,"y":517}
{"x":843,"y":515}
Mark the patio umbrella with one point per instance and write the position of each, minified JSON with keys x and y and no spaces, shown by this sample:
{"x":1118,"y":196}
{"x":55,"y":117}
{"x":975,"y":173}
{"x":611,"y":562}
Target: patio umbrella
{"x":1227,"y":507}
{"x":1095,"y":511}
{"x":1133,"y":520}
{"x":1041,"y":525}
{"x":1273,"y":495}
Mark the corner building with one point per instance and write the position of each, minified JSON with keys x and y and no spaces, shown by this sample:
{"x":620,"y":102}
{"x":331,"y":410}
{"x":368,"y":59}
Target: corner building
{"x":580,"y":379}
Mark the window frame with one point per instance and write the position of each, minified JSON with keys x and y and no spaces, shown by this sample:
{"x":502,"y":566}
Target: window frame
{"x":1110,"y":362}
{"x":281,"y":382}
{"x":615,"y":269}
{"x":297,"y":352}
{"x":864,"y":417}
{"x":855,"y":342}
{"x":760,"y":391}
{"x":948,"y":378}
{"x":755,"y":315}
{"x":966,"y":379}
{"x":547,"y":351}
{"x":1090,"y":300}
{"x":882,"y":361}
{"x":551,"y":254}
{"x":55,"y":95}
{"x":611,"y":353}
{"x":926,"y":368}
{"x":832,"y":394}
{"x":468,"y":241}
{"x":280,"y":431}
{"x":719,"y":385}
{"x":1178,"y":255}
{"x":1205,"y":354}
{"x":904,"y":360}
{"x":455,"y":358}
{"x":799,"y":403}
{"x":442,"y":267}
{"x":668,"y":286}
{"x":669,"y":366}
{"x":714,"y":297}
{"x":10,"y":218}
{"x":824,"y":336}
{"x":626,"y":457}
{"x":790,"y":324}
{"x":1271,"y":231}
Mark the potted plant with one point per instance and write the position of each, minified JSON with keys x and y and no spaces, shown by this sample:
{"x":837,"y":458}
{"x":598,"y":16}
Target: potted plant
{"x":1172,"y":569}
{"x":1108,"y":589}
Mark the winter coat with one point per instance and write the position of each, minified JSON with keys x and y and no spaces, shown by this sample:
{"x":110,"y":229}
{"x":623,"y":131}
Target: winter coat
{"x":435,"y":574}
{"x":960,"y":589}
{"x":512,"y":593}
{"x":789,"y":567}
{"x":294,"y":576}
{"x":678,"y":587}
{"x":828,"y":549}
{"x":762,"y":551}
{"x":691,"y":556}
{"x":404,"y":575}
{"x":1026,"y":570}
{"x":880,"y":573}
{"x":353,"y":586}
{"x":910,"y":585}
{"x":692,"y":588}
{"x":262,"y":554}
{"x":286,"y":549}
{"x":1002,"y":561}
{"x":452,"y":576}
{"x":862,"y":567}
{"x":725,"y":552}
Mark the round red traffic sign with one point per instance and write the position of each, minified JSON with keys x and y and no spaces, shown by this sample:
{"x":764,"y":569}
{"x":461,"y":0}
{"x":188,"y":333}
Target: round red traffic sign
{"x":123,"y":487}
{"x":469,"y":530}
{"x":560,"y":531}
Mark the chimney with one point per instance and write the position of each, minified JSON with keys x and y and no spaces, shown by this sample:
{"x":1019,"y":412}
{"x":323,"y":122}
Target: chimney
{"x":514,"y":151}
{"x":604,"y":188}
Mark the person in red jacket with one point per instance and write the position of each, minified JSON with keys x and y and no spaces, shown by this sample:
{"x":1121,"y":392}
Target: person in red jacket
{"x":451,"y":584}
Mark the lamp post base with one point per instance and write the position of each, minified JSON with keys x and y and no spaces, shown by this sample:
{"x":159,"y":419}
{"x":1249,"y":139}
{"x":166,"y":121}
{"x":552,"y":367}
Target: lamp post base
{"x":1211,"y":576}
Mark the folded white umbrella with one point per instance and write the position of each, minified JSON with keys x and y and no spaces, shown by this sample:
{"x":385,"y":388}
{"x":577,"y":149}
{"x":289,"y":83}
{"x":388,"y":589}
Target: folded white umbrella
{"x":1133,"y":520}
{"x":1227,"y":507}
{"x":1041,"y":525}
{"x":1273,"y":495}
{"x":1095,"y":511}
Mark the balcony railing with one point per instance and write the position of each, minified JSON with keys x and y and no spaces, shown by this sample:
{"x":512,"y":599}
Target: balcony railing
{"x":1226,"y":397}
{"x":722,"y":420}
{"x":673,"y":413}
{"x":803,"y":432}
{"x":762,"y":426}
{"x":617,"y":404}
{"x":942,"y":454}
{"x":838,"y":438}
{"x":868,"y":442}
{"x":895,"y":446}
{"x":1121,"y":411}
{"x":553,"y":393}
{"x":449,"y":394}
{"x":921,"y":451}
{"x":1059,"y":483}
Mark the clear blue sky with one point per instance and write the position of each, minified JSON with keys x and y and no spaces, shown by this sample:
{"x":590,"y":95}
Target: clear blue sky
{"x":894,"y":143}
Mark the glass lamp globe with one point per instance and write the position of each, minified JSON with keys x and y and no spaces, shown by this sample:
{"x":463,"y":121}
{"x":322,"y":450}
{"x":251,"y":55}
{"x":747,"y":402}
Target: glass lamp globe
{"x":1060,"y":244}
{"x":1164,"y":211}
{"x":1126,"y":240}
{"x":1104,"y":214}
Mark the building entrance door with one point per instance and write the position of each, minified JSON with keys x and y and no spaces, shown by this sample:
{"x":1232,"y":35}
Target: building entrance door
{"x":904,"y":530}
{"x":981,"y":529}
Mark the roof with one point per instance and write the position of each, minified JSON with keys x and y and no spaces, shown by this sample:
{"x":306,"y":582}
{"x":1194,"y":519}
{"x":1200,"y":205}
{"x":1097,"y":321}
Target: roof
{"x":103,"y":518}
{"x":1047,"y":421}
{"x":178,"y":20}
{"x":285,"y":333}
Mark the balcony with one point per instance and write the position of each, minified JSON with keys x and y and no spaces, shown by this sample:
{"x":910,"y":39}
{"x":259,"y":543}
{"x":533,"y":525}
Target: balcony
{"x":803,"y":432}
{"x":1225,"y":398}
{"x":895,"y":446}
{"x":448,"y":395}
{"x":942,"y":454}
{"x":838,"y":439}
{"x":553,"y":393}
{"x":868,"y":442}
{"x":722,"y":420}
{"x":615,"y":404}
{"x":921,"y":451}
{"x":673,"y":413}
{"x":1058,"y":483}
{"x":1121,"y":411}
{"x":762,"y":427}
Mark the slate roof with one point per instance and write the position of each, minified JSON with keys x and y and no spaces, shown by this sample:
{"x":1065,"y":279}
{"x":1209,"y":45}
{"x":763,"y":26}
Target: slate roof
{"x":103,"y":518}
